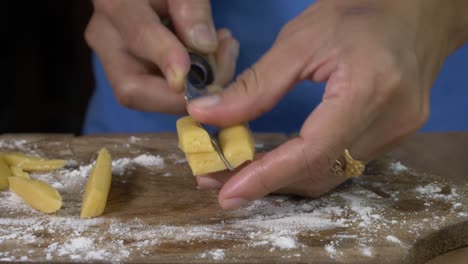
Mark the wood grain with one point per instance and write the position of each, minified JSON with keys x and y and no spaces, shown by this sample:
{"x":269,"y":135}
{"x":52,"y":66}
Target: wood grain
{"x":155,"y":218}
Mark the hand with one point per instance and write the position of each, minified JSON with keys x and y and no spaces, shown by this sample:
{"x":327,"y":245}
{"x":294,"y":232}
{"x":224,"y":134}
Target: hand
{"x":379,"y":59}
{"x":137,"y":51}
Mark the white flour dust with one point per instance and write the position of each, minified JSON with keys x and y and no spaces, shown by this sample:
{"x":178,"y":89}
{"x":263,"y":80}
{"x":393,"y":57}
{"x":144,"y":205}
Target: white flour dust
{"x":215,"y":254}
{"x":393,"y":239}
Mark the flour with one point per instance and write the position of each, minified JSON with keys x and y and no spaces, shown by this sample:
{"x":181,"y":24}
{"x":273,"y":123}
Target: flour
{"x":284,"y":242}
{"x":18,"y":145}
{"x":429,"y":189}
{"x":134,"y":140}
{"x":398,"y":167}
{"x":149,"y":161}
{"x":120,"y":166}
{"x":215,"y":254}
{"x":366,"y":251}
{"x":393,"y":239}
{"x":331,"y":250}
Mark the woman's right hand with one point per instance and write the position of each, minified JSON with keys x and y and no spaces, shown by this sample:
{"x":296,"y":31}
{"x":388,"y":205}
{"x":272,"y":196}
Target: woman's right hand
{"x":146,"y":63}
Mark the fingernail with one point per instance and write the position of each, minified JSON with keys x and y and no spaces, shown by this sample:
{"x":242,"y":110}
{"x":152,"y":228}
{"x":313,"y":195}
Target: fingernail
{"x":206,"y":101}
{"x":202,"y":36}
{"x":234,"y":203}
{"x":175,"y":79}
{"x":209,"y":183}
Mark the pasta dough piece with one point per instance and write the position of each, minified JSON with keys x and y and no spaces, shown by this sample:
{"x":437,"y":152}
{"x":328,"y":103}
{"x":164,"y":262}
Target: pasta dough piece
{"x":193,"y":138}
{"x":37,"y":194}
{"x":98,"y":186}
{"x":237,"y":144}
{"x":18,"y":172}
{"x":204,"y":163}
{"x":5,"y":172}
{"x":32,"y":164}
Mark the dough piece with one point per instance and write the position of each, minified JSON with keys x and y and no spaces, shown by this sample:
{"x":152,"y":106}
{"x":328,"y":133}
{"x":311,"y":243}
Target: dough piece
{"x":98,"y":186}
{"x":37,"y":194}
{"x":204,"y":163}
{"x":193,"y":138}
{"x":18,"y":172}
{"x":5,"y":172}
{"x":237,"y":144}
{"x":32,"y":164}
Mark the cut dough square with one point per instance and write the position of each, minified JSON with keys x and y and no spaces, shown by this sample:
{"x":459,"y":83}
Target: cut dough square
{"x":193,"y":138}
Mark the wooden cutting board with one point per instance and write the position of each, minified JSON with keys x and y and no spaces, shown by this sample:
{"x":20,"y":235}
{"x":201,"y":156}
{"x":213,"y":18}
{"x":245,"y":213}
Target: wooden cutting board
{"x":410,"y":206}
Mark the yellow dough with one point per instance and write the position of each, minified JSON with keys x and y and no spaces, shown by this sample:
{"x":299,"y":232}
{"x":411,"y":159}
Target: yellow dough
{"x":5,"y":172}
{"x":98,"y":186}
{"x":192,"y":138}
{"x":236,"y":143}
{"x":18,"y":172}
{"x":204,"y":163}
{"x":32,"y":164}
{"x":37,"y":194}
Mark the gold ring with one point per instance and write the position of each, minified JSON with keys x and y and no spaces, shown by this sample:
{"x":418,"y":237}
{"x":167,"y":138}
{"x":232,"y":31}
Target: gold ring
{"x":352,"y":167}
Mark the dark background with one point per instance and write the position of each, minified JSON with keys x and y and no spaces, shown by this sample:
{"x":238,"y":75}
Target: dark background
{"x":48,"y":66}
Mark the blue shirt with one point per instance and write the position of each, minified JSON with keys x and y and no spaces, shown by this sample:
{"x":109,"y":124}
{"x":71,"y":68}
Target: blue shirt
{"x":255,"y":24}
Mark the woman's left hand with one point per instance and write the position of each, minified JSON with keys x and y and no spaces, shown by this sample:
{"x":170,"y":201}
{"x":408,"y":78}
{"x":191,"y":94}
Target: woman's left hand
{"x":379,"y":59}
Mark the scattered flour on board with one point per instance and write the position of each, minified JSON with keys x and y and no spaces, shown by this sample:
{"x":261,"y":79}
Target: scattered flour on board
{"x":366,"y":251}
{"x":149,"y":161}
{"x":393,"y":239}
{"x":273,"y":223}
{"x":428,"y":189}
{"x":215,"y":254}
{"x":398,"y":167}
{"x":134,"y":139}
{"x":21,"y":145}
{"x":331,"y":250}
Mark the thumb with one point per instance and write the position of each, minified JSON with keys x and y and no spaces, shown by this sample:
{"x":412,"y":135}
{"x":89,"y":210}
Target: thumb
{"x":255,"y":91}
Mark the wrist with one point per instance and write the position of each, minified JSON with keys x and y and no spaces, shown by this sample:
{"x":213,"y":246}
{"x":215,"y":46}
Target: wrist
{"x":443,"y":23}
{"x":460,"y":18}
{"x":452,"y":19}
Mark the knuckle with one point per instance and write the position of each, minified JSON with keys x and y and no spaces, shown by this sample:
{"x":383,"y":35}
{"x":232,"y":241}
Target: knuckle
{"x":389,"y":79}
{"x":124,"y":92}
{"x":104,"y":5}
{"x":248,"y":85}
{"x":317,"y":161}
{"x":90,"y":33}
{"x":135,"y":37}
{"x":360,"y":9}
{"x":191,"y":10}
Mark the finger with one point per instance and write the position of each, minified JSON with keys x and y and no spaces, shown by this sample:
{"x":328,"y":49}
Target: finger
{"x":254,"y":92}
{"x":147,"y":38}
{"x":342,"y":115}
{"x":129,"y":78}
{"x":214,"y":180}
{"x":218,"y":179}
{"x":304,"y":188}
{"x":226,"y":57}
{"x":193,"y":22}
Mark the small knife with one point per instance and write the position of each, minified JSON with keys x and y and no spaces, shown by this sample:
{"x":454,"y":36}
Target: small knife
{"x":199,"y":78}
